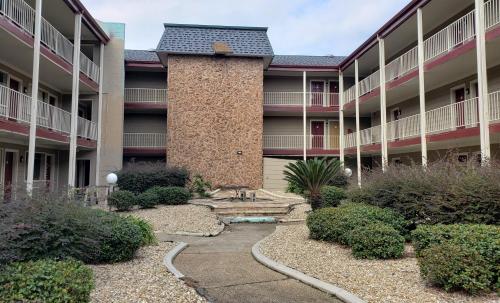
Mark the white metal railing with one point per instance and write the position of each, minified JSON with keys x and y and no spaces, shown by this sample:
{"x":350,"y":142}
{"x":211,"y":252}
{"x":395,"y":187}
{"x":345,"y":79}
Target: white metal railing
{"x":453,"y":116}
{"x":371,"y":135}
{"x":405,"y":128}
{"x":144,"y":140}
{"x":56,"y":42}
{"x":492,"y":13}
{"x":297,"y":98}
{"x":369,"y":83}
{"x":14,"y":105}
{"x":293,"y":142}
{"x":20,"y":13}
{"x":494,"y":106}
{"x":402,"y":65}
{"x":86,"y":129}
{"x":448,"y":38}
{"x":53,"y":118}
{"x":350,"y":94}
{"x":146,"y":95}
{"x":350,"y":140}
{"x":89,"y":68}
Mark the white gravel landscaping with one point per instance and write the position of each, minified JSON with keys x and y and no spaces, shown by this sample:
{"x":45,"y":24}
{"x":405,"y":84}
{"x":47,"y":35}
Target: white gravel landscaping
{"x":377,"y":281}
{"x":181,"y":219}
{"x":143,"y":280}
{"x":299,"y":212}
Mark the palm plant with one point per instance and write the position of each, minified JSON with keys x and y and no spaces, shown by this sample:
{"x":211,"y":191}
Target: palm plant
{"x":311,"y":175}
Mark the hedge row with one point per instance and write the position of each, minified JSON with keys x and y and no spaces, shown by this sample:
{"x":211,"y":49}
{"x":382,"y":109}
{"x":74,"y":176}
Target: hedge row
{"x":124,"y":200}
{"x":371,"y":231}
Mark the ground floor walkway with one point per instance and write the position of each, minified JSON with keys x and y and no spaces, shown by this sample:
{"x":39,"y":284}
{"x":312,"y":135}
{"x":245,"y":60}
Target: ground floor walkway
{"x":223,"y":269}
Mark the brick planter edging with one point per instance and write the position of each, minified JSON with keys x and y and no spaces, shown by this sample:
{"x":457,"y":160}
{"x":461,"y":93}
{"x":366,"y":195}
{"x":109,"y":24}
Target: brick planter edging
{"x":338,"y":292}
{"x":169,"y":258}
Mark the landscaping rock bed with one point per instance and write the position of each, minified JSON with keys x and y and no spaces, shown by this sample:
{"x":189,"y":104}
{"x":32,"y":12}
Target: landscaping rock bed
{"x":376,"y":281}
{"x":299,"y":212}
{"x":181,"y":219}
{"x":144,"y":279}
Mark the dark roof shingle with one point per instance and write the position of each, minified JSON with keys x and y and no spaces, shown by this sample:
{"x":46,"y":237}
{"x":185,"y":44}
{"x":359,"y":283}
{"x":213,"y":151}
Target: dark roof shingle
{"x":310,"y":61}
{"x":141,"y":55}
{"x":199,"y":39}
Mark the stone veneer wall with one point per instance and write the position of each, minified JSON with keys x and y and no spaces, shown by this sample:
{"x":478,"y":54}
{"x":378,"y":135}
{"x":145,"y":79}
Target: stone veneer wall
{"x":215,"y":110}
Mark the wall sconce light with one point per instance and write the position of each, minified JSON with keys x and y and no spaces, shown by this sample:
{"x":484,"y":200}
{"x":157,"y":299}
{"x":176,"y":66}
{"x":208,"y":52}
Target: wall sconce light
{"x":239,"y":153}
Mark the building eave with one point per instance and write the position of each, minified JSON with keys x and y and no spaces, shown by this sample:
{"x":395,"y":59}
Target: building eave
{"x":77,"y":7}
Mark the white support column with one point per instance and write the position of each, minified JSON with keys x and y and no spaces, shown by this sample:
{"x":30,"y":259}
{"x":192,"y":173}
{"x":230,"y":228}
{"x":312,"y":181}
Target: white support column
{"x":341,"y":118}
{"x":421,"y":87}
{"x":358,"y":133}
{"x":304,"y":110}
{"x":34,"y":95}
{"x":99,"y":117}
{"x":383,"y":104}
{"x":74,"y":101}
{"x":482,"y":79}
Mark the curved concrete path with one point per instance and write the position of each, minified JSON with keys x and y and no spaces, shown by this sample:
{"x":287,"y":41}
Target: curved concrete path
{"x":222,"y":269}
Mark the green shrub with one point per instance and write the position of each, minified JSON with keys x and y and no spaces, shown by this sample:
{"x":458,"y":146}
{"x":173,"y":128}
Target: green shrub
{"x":446,"y":192}
{"x":200,"y":187}
{"x":35,"y":229}
{"x":147,"y":233}
{"x":456,"y":267}
{"x":336,"y":224}
{"x":331,"y":196}
{"x":139,"y":177}
{"x":122,"y":200}
{"x":340,"y":180}
{"x":46,"y":281}
{"x":376,"y":241}
{"x":148,"y":199}
{"x":294,"y":188}
{"x":172,"y":195}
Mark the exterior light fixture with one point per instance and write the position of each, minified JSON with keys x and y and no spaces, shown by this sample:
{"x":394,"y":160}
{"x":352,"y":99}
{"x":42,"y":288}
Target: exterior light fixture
{"x":112,"y":178}
{"x":348,"y":172}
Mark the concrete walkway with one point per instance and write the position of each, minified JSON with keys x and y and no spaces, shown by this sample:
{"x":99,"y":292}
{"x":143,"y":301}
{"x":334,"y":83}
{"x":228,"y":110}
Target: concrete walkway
{"x":223,"y":269}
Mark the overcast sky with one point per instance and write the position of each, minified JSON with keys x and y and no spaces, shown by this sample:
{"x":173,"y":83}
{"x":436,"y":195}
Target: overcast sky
{"x":302,"y":27}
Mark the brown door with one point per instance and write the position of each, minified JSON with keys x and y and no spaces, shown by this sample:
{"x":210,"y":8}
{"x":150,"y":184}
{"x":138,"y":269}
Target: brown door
{"x":14,"y":99}
{"x":334,"y":94}
{"x":459,"y":95}
{"x":318,"y":134}
{"x":317,"y":91}
{"x":9,"y":175}
{"x":333,"y":133}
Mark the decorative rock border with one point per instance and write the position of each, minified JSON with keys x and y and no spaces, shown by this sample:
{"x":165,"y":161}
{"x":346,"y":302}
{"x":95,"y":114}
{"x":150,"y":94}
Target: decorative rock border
{"x":338,"y":292}
{"x":280,"y":196}
{"x":169,"y":258}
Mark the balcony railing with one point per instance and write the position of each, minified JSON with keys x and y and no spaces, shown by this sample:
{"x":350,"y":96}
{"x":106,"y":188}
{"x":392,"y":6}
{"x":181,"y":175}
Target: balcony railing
{"x":53,"y":118}
{"x":23,"y":16}
{"x":87,"y":129}
{"x":146,"y":95}
{"x":404,"y":128}
{"x":14,"y":105}
{"x":296,"y":142}
{"x":371,"y":135}
{"x":402,"y":65}
{"x":350,"y":94}
{"x":369,"y":83}
{"x":350,"y":140}
{"x":453,"y":116}
{"x":492,"y":13}
{"x":494,"y":106}
{"x":297,"y":99}
{"x":144,"y":140}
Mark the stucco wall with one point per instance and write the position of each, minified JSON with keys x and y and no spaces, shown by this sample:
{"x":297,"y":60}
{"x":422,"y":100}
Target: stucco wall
{"x":215,"y":111}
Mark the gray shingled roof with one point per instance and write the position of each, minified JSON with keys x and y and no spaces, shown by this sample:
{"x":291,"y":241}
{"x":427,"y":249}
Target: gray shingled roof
{"x":297,"y":60}
{"x":141,"y":55}
{"x":198,"y":40}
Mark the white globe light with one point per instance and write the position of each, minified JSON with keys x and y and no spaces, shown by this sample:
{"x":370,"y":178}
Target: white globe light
{"x":111,"y":178}
{"x":348,"y":172}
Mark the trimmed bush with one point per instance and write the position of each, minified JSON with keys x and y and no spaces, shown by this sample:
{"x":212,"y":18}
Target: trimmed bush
{"x":172,"y":195}
{"x":456,"y":267}
{"x":336,"y":224}
{"x":331,"y":196}
{"x":376,"y":241}
{"x":50,"y":228}
{"x":340,"y":181}
{"x":139,"y":177}
{"x":122,"y":200}
{"x":147,"y":233}
{"x":446,"y":192}
{"x":46,"y":281}
{"x":148,"y":199}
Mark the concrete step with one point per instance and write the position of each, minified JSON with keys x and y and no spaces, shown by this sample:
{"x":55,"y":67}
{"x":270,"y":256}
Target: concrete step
{"x":252,"y":213}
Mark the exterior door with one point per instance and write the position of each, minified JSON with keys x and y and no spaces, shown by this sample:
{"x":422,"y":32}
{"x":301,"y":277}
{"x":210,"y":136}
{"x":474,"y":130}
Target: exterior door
{"x":82,"y":173}
{"x":334,"y":94}
{"x":8,"y":175}
{"x":317,"y":92}
{"x":333,"y":134}
{"x":459,"y":96}
{"x":14,"y":100}
{"x":317,"y":134}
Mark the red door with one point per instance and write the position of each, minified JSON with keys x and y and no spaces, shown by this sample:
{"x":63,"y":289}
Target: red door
{"x":334,"y":94}
{"x":317,"y":91}
{"x":460,"y":107}
{"x":9,"y":174}
{"x":14,"y":99}
{"x":318,"y":134}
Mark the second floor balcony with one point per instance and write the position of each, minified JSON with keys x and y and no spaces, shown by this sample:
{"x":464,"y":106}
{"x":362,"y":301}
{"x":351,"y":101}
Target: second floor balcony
{"x":294,"y":101}
{"x":293,"y":145}
{"x":146,"y":98}
{"x":144,"y":143}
